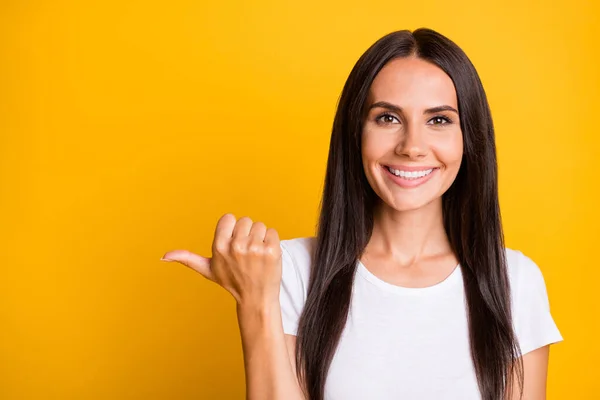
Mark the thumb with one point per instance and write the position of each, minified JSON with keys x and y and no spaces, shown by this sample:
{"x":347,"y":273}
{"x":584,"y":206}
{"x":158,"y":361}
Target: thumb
{"x":194,"y":261}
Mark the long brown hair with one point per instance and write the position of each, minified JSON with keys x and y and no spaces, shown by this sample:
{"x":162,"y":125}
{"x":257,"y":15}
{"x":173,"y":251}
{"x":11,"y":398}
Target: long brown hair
{"x":471,"y":219}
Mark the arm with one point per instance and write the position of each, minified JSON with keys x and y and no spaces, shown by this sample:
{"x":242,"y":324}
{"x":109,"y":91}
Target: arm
{"x":535,"y":371}
{"x":534,"y":326}
{"x":269,"y":355}
{"x":247,"y":262}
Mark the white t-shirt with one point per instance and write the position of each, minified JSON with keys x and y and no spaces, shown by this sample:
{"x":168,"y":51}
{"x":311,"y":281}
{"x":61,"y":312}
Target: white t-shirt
{"x":412,"y":343}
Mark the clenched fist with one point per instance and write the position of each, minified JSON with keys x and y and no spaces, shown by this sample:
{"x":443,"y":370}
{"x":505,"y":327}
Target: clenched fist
{"x":246,"y":260}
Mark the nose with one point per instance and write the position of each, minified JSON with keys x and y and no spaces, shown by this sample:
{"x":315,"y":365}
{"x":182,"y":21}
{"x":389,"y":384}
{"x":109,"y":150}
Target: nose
{"x":412,"y":143}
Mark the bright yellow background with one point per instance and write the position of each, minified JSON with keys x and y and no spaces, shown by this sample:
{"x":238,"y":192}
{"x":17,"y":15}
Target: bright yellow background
{"x":129,"y":127}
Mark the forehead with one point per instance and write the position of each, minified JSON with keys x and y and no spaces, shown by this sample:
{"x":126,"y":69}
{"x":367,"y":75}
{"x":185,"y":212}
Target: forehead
{"x":413,"y":82}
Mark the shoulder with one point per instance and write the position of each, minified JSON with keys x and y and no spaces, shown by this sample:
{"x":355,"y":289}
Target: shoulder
{"x":300,"y":246}
{"x":298,"y":253}
{"x":523,"y":272}
{"x":296,"y":262}
{"x":533,"y":322}
{"x":521,"y":267}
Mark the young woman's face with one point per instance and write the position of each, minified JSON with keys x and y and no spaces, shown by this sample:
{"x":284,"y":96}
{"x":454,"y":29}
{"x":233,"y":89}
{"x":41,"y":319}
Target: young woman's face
{"x":412,"y":144}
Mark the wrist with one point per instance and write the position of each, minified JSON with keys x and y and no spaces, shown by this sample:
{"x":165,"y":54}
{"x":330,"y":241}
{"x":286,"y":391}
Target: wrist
{"x":258,"y":320}
{"x":262,"y":309}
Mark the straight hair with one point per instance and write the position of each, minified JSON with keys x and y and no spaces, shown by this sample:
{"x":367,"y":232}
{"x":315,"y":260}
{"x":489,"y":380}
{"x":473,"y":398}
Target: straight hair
{"x":471,"y":216}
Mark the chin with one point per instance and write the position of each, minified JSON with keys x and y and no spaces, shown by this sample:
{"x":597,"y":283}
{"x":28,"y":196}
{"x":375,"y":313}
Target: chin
{"x":403,"y":205}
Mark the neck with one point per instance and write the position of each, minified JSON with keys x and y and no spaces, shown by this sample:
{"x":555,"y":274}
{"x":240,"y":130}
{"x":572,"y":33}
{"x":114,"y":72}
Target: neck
{"x":409,"y":236}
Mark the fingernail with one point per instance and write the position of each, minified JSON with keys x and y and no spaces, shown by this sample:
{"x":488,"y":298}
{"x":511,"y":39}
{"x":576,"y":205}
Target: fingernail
{"x":165,"y":259}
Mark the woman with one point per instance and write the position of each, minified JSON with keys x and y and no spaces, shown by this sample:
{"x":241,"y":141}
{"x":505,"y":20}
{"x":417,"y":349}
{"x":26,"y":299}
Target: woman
{"x":407,"y":291}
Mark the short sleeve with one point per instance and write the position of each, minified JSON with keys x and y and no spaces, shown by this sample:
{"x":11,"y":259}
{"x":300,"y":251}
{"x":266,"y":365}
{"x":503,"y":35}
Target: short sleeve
{"x":533,"y":322}
{"x":292,"y":294}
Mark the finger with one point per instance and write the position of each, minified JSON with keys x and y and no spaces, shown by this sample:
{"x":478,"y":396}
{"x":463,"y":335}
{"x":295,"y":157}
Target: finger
{"x":194,"y":261}
{"x":223,"y":233}
{"x":242,"y":228}
{"x":272,"y":238}
{"x":257,"y":232}
{"x":225,"y":225}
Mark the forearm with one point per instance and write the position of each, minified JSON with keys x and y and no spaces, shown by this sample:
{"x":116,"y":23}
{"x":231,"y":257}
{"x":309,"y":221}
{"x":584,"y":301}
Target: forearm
{"x":269,"y":374}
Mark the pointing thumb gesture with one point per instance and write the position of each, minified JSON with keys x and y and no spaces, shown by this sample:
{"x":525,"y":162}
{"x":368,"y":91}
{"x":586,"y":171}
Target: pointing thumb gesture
{"x":246,"y":260}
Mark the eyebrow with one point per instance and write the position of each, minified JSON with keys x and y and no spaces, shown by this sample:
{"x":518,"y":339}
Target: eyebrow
{"x":395,"y":108}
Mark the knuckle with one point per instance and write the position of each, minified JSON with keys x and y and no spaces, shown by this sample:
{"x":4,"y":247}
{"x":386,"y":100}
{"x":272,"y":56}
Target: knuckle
{"x":273,"y":252}
{"x":221,"y":246}
{"x":238,"y":247}
{"x":185,"y":257}
{"x":256,"y":249}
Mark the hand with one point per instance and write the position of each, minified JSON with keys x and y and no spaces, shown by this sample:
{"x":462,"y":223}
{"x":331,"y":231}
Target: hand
{"x":246,"y":260}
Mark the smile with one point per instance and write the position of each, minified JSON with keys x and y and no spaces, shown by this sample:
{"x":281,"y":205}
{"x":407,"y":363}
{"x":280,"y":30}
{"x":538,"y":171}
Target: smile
{"x":410,"y":174}
{"x":409,"y":179}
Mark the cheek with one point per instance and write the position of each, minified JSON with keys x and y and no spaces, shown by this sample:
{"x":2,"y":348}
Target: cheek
{"x":375,"y":145}
{"x":450,"y":151}
{"x":373,"y":149}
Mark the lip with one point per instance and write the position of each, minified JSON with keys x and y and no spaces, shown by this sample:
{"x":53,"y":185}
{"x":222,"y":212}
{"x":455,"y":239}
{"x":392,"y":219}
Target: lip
{"x":409,"y":183}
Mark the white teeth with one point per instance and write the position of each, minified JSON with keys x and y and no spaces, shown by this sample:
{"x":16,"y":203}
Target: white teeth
{"x":410,"y":174}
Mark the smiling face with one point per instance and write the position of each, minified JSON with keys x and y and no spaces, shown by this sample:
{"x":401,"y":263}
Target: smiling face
{"x":412,"y":143}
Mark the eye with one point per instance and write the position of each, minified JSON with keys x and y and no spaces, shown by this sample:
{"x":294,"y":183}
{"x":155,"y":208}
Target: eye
{"x":441,"y":120}
{"x":386,"y":119}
